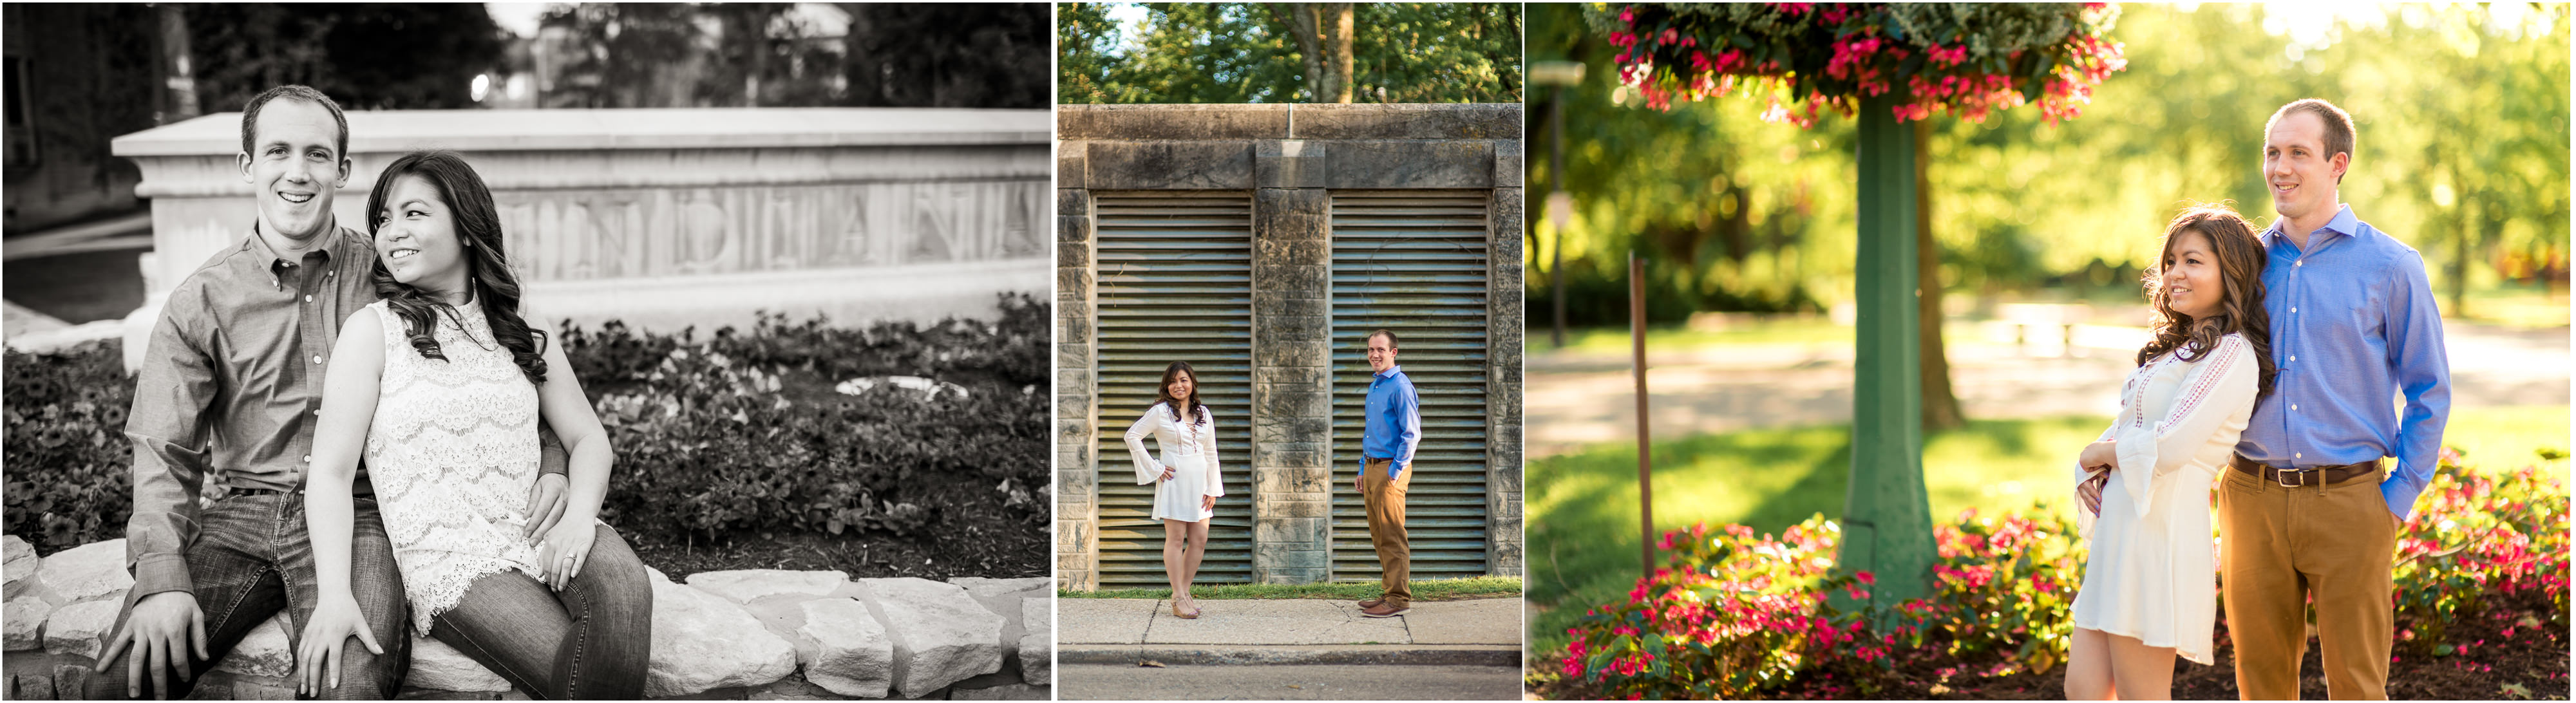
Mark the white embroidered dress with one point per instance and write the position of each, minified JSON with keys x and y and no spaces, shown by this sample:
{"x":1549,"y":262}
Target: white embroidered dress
{"x":2153,"y":574}
{"x":452,"y":454}
{"x":1189,"y":450}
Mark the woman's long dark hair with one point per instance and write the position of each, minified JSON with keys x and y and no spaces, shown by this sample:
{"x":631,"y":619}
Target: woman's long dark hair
{"x":1196,"y":412}
{"x":2240,"y":266}
{"x":478,"y":225}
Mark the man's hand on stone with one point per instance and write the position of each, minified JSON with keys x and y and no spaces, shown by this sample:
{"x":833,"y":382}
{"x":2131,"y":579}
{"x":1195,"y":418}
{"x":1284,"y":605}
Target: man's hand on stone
{"x":162,"y":627}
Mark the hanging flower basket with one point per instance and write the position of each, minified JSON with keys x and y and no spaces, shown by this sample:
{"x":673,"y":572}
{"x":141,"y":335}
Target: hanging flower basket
{"x":1969,"y":60}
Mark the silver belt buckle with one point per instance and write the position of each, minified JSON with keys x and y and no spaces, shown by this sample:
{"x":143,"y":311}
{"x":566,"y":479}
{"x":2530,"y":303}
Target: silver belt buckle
{"x":2288,"y":478}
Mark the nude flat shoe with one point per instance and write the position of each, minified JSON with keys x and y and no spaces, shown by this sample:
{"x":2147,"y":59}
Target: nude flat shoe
{"x":1176,"y":612}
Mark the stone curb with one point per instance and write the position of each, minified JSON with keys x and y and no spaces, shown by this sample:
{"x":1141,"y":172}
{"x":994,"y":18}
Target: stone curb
{"x":753,"y":632}
{"x":1362,"y":655}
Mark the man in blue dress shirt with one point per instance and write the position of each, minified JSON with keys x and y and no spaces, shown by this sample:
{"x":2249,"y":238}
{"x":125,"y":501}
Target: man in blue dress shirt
{"x":2309,"y":509}
{"x":1393,"y":428}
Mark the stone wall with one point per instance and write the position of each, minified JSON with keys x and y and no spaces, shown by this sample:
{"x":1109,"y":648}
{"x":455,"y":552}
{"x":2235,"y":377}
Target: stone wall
{"x":1288,"y":159}
{"x":762,"y":634}
{"x":676,"y":217}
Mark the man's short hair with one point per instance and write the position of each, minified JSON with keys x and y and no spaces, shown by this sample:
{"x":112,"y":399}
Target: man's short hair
{"x":1390,"y":337}
{"x":2339,"y":134}
{"x":250,"y":113}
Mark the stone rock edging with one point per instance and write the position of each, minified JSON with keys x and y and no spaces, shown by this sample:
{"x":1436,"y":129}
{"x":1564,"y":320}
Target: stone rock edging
{"x":770,"y":633}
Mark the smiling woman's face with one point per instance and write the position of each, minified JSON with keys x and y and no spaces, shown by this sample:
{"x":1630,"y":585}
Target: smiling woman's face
{"x":2193,"y":283}
{"x":417,"y":239}
{"x":1181,"y":386}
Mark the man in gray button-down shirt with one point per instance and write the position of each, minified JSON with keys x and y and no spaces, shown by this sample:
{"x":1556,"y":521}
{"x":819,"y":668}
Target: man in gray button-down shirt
{"x":229,"y":388}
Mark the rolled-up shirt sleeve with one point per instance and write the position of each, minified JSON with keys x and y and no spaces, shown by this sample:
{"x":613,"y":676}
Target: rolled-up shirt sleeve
{"x":2423,"y":375}
{"x":169,"y":430}
{"x":1408,"y":416}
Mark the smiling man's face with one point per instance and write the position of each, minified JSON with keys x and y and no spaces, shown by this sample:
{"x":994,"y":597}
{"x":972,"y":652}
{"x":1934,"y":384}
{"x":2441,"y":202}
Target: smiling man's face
{"x":2301,"y":175}
{"x":296,"y":167}
{"x":1381,"y":353}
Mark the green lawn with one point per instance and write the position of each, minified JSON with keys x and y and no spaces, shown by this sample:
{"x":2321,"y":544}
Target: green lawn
{"x":2519,"y":306}
{"x":1423,"y":590}
{"x":1582,"y":507}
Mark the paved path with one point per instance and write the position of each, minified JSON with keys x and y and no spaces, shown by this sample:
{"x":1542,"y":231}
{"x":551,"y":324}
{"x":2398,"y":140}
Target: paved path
{"x":1576,"y":399}
{"x":1289,"y":649}
{"x":1287,"y":682}
{"x":1252,"y":623}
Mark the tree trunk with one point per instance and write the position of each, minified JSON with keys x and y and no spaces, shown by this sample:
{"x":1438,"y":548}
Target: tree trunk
{"x":178,"y":72}
{"x":1940,"y":406}
{"x":1323,"y":31}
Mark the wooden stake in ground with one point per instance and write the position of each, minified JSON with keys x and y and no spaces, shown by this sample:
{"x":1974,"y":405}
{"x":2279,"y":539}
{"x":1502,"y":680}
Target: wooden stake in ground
{"x":1645,"y":448}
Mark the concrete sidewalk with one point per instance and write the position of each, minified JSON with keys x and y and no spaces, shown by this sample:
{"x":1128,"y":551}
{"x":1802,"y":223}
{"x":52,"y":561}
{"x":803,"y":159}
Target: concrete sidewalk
{"x":1289,"y":631}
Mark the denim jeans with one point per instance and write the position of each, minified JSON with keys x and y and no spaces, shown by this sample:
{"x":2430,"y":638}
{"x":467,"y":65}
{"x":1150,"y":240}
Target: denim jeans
{"x":591,"y":641}
{"x":253,"y":557}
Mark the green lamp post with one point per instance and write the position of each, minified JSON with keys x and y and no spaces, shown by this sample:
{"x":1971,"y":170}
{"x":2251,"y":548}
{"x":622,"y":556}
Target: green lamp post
{"x":1887,"y":517}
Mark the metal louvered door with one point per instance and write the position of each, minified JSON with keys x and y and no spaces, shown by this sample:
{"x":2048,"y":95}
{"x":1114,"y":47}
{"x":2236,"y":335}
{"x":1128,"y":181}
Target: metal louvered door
{"x":1175,"y":284}
{"x":1414,"y":263}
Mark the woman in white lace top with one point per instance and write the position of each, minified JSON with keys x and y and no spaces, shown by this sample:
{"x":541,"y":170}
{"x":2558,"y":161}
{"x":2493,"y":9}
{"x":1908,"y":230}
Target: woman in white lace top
{"x":1186,"y":480}
{"x":2151,"y":583}
{"x":440,"y":386}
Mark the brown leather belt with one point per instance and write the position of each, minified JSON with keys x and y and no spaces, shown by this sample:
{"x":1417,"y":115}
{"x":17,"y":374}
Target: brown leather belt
{"x":2311,"y":476}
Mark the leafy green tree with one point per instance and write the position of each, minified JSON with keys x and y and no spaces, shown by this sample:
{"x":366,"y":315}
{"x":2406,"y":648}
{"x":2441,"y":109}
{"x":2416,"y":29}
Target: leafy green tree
{"x":752,"y":55}
{"x":2462,"y":147}
{"x":365,"y":56}
{"x":948,"y":55}
{"x":1242,"y":53}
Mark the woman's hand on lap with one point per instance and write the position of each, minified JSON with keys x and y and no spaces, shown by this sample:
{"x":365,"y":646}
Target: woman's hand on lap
{"x":563,"y":553}
{"x":319,"y":656}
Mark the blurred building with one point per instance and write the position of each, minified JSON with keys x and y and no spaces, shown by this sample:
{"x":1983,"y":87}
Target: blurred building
{"x":77,"y":76}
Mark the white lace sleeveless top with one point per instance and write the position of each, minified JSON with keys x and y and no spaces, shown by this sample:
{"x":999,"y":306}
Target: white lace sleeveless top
{"x":453,"y":453}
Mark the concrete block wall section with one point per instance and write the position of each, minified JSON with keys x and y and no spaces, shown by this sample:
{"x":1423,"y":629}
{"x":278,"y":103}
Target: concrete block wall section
{"x":1292,"y":357}
{"x":1077,"y":493}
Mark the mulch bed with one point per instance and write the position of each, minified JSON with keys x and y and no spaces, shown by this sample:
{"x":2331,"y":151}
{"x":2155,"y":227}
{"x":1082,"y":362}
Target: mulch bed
{"x":2534,"y":659}
{"x":974,"y":535}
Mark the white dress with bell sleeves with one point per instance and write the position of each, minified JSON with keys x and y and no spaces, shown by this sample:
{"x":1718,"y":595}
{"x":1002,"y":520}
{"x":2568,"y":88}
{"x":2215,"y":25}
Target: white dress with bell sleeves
{"x":1189,"y":450}
{"x":2153,"y":574}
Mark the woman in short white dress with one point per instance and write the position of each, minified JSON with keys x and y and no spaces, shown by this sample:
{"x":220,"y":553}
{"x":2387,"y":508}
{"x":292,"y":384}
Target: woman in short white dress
{"x":2151,"y":585}
{"x":440,"y":387}
{"x":1186,"y":480}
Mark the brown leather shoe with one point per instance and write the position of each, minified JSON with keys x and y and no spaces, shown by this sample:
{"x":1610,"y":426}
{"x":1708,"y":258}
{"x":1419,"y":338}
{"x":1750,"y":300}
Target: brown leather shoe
{"x":1385,"y":610}
{"x":1372,"y":603}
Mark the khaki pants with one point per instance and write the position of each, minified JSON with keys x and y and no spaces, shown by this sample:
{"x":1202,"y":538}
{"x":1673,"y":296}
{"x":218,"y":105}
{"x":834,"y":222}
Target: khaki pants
{"x":2282,"y":546}
{"x":1385,"y":501}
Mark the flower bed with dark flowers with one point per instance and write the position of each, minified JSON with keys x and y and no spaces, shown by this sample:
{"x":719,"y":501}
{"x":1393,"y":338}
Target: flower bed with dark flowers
{"x":2480,"y":594}
{"x":734,"y":449}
